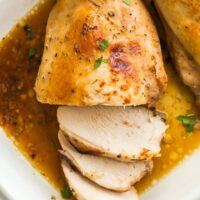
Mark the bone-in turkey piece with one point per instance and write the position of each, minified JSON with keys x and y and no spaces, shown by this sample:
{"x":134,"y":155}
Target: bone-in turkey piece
{"x":182,"y":26}
{"x":121,"y":133}
{"x":129,"y":71}
{"x":108,"y":173}
{"x":84,"y":189}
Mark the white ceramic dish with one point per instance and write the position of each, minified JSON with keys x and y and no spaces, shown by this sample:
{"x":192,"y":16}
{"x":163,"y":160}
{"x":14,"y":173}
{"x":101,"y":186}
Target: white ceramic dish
{"x":20,"y":181}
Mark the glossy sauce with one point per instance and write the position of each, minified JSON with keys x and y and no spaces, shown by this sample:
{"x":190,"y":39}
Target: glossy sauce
{"x":33,"y":127}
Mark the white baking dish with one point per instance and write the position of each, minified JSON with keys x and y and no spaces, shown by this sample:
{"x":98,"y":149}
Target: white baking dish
{"x":20,"y":181}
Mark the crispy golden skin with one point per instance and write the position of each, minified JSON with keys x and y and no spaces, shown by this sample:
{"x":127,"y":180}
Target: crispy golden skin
{"x":181,"y":19}
{"x":132,"y":72}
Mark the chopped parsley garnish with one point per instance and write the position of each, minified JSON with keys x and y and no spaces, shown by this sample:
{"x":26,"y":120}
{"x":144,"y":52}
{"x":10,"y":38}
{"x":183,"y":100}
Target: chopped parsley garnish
{"x":188,"y":122}
{"x":105,"y":60}
{"x":127,"y":2}
{"x":31,"y":52}
{"x":103,"y":45}
{"x":29,"y":33}
{"x":66,"y":192}
{"x":99,"y":61}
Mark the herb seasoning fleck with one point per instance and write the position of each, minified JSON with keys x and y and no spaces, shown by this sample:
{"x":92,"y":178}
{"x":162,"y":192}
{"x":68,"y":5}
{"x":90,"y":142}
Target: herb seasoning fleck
{"x":188,"y":122}
{"x":127,"y":2}
{"x":31,"y":52}
{"x":103,"y":45}
{"x":28,"y":31}
{"x":66,"y":192}
{"x":99,"y":61}
{"x":111,"y":14}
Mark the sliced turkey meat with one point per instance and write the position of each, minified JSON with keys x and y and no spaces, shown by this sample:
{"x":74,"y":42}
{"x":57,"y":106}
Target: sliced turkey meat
{"x":121,"y":133}
{"x":108,"y":173}
{"x":84,"y":189}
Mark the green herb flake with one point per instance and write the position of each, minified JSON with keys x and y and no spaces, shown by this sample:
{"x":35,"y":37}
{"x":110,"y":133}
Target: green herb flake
{"x":99,"y":61}
{"x":188,"y":122}
{"x":103,"y":45}
{"x":105,"y":60}
{"x":31,"y":52}
{"x":127,"y":2}
{"x":28,"y":31}
{"x":66,"y":192}
{"x":133,"y":157}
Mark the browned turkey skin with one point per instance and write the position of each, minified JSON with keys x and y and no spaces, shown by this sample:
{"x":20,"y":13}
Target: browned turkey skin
{"x":74,"y":71}
{"x":181,"y":19}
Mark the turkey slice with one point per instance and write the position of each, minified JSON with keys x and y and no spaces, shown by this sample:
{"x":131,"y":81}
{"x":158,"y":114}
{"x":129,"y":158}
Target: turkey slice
{"x":83,"y":189}
{"x":108,"y":173}
{"x":116,"y":132}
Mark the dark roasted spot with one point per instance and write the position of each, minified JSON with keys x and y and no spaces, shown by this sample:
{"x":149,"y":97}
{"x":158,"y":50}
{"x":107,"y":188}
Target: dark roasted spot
{"x":127,"y":101}
{"x":119,"y":61}
{"x":135,"y":48}
{"x":115,"y":92}
{"x":120,"y":65}
{"x":73,"y":91}
{"x":117,"y":52}
{"x":102,"y":84}
{"x":124,"y":87}
{"x":50,"y":39}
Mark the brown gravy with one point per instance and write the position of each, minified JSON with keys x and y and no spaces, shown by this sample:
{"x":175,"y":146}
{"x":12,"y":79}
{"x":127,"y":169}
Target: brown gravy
{"x":32,"y":126}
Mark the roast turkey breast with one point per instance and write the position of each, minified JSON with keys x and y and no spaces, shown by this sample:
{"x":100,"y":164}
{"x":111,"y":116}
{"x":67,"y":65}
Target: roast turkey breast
{"x":100,"y":52}
{"x":181,"y":19}
{"x":83,"y":189}
{"x":108,"y":173}
{"x":116,"y":132}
